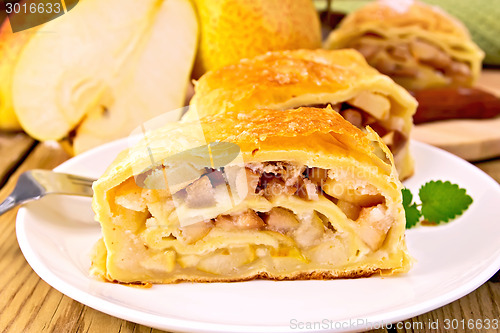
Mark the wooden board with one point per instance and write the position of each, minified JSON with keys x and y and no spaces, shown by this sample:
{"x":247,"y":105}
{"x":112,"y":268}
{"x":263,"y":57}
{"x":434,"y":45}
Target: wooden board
{"x":13,"y":148}
{"x":472,"y":140}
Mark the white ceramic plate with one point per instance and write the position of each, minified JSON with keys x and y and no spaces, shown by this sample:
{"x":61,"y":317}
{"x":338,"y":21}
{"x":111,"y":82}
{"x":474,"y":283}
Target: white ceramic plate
{"x":57,"y":233}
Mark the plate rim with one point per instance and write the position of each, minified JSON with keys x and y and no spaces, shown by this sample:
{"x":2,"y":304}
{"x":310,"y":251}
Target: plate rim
{"x":183,"y":325}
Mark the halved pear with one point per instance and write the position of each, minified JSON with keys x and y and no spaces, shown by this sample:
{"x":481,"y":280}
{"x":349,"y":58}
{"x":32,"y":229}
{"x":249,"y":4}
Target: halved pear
{"x":104,"y":68}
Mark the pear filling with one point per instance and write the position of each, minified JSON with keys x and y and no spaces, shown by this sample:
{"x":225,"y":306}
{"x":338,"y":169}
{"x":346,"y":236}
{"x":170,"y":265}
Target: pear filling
{"x":371,"y":109}
{"x":282,"y":235}
{"x":404,"y":58}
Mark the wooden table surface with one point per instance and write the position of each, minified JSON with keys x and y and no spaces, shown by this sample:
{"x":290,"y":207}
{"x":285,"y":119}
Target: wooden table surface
{"x":28,"y":304}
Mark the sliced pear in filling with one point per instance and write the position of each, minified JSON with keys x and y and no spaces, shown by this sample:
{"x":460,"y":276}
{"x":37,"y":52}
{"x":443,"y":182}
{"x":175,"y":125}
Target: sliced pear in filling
{"x":225,"y":261}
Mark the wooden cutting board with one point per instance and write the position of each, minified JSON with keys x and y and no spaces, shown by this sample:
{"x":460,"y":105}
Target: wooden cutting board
{"x":472,"y":140}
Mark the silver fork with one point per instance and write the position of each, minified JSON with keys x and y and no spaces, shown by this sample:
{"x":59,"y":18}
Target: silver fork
{"x":35,"y":184}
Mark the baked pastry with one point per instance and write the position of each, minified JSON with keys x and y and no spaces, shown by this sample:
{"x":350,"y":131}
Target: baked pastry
{"x":301,"y":194}
{"x":291,"y":79}
{"x":420,"y":46}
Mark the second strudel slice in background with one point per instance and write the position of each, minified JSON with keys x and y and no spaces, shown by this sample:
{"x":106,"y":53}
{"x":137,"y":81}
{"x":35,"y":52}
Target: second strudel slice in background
{"x":291,"y":79}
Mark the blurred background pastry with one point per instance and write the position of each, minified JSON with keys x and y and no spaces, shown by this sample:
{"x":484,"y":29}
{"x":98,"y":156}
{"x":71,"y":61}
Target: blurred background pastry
{"x":418,"y":45}
{"x":479,"y":16}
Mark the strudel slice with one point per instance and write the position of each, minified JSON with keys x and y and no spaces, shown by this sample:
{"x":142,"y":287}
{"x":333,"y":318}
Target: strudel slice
{"x":420,"y":46}
{"x":291,"y":79}
{"x":301,"y":194}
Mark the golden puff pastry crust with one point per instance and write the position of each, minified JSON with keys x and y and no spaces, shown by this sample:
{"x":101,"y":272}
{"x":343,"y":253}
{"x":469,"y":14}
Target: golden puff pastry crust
{"x":291,"y":79}
{"x":321,"y":199}
{"x":420,"y":46}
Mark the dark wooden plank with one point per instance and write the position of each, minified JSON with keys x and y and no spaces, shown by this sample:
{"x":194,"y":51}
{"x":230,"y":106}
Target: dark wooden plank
{"x":492,"y":168}
{"x":13,"y":149}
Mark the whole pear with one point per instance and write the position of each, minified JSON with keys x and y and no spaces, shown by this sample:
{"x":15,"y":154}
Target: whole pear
{"x":231,"y":30}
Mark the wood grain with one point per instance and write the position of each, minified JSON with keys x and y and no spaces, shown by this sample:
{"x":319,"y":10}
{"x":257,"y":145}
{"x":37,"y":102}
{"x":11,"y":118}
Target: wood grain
{"x":22,"y":292}
{"x":479,"y":305}
{"x":492,"y":168}
{"x":13,"y":148}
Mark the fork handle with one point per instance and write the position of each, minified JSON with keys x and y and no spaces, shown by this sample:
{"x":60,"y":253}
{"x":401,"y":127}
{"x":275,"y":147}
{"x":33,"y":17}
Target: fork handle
{"x":8,"y":204}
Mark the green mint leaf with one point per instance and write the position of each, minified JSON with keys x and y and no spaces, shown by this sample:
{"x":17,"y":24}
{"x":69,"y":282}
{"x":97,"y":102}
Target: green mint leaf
{"x":413,"y":216}
{"x":407,"y":197}
{"x":412,"y":213}
{"x":442,"y":202}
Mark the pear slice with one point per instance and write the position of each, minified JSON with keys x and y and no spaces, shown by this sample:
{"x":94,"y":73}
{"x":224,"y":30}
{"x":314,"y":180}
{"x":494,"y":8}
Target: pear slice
{"x":104,"y":68}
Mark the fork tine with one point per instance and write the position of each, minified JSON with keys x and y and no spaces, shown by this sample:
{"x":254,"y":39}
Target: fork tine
{"x":81,"y":179}
{"x":82,"y":183}
{"x":7,"y":205}
{"x":36,"y":183}
{"x":63,"y":183}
